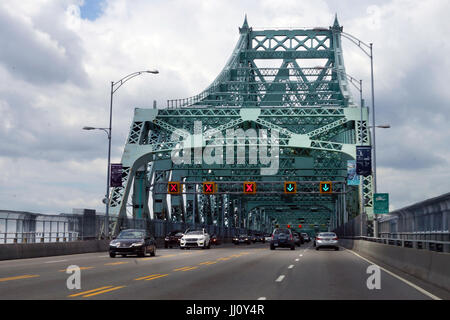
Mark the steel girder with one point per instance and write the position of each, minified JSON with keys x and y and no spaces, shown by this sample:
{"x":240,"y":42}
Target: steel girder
{"x":310,"y":108}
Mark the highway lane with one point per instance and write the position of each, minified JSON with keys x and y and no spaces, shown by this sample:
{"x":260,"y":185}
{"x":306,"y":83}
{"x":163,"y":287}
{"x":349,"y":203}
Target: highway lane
{"x":223,"y":272}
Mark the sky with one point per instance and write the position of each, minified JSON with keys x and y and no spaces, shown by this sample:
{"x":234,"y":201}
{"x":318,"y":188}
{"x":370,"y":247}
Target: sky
{"x":58,"y":58}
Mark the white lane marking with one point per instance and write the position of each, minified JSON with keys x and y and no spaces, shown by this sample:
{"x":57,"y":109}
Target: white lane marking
{"x":300,"y":255}
{"x":291,"y":266}
{"x":432,"y":296}
{"x":280,"y":278}
{"x":261,"y":298}
{"x":297,"y":259}
{"x":55,"y":261}
{"x":103,"y":256}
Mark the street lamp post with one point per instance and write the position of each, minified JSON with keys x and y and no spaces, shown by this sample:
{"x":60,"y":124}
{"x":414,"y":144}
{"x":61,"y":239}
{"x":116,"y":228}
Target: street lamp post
{"x":114,"y":87}
{"x":368,"y":50}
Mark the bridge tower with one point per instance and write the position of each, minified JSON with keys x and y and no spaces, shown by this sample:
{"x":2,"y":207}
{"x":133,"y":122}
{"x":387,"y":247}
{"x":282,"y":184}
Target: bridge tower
{"x":289,"y":84}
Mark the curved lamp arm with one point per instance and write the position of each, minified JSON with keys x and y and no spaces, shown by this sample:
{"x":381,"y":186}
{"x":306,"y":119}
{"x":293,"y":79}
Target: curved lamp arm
{"x":120,"y":82}
{"x":359,"y":43}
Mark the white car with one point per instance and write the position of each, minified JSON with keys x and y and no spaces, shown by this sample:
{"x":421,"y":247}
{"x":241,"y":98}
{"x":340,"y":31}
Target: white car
{"x":195,"y":239}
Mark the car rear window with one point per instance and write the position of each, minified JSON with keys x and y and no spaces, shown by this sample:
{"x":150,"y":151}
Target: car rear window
{"x":278,"y":231}
{"x":327,"y":234}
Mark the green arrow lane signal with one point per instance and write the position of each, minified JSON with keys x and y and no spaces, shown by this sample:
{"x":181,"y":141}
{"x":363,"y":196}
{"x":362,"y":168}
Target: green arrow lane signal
{"x":325,"y":187}
{"x":290,"y":187}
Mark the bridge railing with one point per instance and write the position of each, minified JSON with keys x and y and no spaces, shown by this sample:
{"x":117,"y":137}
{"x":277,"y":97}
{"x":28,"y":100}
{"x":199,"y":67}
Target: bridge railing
{"x":37,"y":237}
{"x":421,"y":244}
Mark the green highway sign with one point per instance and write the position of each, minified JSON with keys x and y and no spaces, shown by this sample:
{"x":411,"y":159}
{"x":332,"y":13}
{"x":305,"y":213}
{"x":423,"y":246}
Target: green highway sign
{"x":381,"y":203}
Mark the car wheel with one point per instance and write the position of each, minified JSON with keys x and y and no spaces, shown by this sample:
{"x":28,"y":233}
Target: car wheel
{"x":337,"y":248}
{"x":272,"y":247}
{"x":181,"y":248}
{"x":112,"y":254}
{"x":317,"y":248}
{"x":153,"y":253}
{"x":165,"y":245}
{"x":123,"y":255}
{"x":143,"y":253}
{"x":293,"y":247}
{"x":209,"y":245}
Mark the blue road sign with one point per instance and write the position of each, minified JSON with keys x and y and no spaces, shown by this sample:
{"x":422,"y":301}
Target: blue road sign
{"x":364,"y":160}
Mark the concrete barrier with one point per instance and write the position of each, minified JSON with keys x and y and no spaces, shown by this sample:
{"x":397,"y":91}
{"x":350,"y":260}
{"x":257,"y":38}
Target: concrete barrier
{"x":34,"y":250}
{"x":430,"y":266}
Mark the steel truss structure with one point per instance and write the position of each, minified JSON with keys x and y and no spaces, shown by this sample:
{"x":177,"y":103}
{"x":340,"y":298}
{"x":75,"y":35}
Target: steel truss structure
{"x":268,"y":84}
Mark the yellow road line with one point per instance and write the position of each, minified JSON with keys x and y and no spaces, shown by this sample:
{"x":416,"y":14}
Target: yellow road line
{"x":115,"y":263}
{"x":150,"y":276}
{"x":224,"y":259}
{"x":104,"y":291}
{"x":160,"y":276}
{"x":206,"y":262}
{"x":81,"y":268}
{"x":192,"y":268}
{"x":212,"y":262}
{"x":179,"y":269}
{"x":26,"y":276}
{"x":89,"y":291}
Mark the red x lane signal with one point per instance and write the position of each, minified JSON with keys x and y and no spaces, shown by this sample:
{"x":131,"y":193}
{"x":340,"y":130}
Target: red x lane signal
{"x":173,"y":187}
{"x":249,"y":187}
{"x":209,"y":187}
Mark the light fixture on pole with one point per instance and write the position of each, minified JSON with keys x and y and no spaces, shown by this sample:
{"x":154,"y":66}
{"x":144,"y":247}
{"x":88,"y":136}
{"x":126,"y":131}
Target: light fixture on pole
{"x":114,"y":87}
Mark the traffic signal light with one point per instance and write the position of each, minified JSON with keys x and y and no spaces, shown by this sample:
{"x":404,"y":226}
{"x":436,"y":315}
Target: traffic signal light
{"x":289,"y":226}
{"x":209,"y":187}
{"x":325,"y":187}
{"x":290,"y":187}
{"x":173,"y":187}
{"x":249,"y":187}
{"x":299,"y":226}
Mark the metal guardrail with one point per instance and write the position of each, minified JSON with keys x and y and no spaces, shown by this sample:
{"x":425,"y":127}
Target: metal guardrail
{"x":432,"y":245}
{"x":37,"y":237}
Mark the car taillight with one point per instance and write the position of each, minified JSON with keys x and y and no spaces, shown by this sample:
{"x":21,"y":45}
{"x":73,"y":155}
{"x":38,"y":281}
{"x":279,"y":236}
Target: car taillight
{"x":318,"y":238}
{"x":335,"y":238}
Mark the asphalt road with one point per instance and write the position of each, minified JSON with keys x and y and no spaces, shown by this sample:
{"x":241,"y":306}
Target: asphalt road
{"x":226,"y":272}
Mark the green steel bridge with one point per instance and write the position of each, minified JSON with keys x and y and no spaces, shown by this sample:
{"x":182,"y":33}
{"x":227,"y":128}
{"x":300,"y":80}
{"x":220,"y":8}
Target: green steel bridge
{"x":283,"y":93}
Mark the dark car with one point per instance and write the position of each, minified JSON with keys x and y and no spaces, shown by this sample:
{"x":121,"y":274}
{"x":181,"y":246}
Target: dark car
{"x":133,"y":241}
{"x":306,"y":237}
{"x":297,"y":238}
{"x":173,"y":239}
{"x":259,"y":237}
{"x":215,"y":239}
{"x":243,"y":238}
{"x":282,"y":238}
